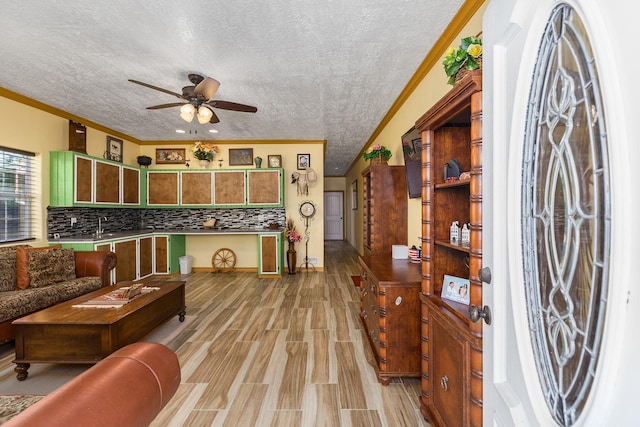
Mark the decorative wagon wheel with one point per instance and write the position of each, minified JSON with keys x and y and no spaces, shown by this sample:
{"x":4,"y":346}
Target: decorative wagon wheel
{"x":224,"y":259}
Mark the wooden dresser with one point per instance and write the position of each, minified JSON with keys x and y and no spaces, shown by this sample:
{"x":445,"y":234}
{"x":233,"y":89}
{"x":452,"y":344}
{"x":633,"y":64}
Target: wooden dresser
{"x":390,"y":312}
{"x":451,"y":341}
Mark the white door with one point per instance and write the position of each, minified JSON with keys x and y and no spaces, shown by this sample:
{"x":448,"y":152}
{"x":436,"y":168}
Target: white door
{"x":333,"y":223}
{"x":559,"y":218}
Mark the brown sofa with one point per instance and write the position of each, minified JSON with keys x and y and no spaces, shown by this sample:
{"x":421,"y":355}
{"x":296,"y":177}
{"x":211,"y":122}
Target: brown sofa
{"x":92,"y":270}
{"x":126,"y":389}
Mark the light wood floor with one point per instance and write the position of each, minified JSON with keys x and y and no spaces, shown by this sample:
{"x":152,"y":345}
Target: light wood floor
{"x":283,"y":352}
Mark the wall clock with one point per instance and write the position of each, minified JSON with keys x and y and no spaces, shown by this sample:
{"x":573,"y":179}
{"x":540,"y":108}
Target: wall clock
{"x":307,"y":209}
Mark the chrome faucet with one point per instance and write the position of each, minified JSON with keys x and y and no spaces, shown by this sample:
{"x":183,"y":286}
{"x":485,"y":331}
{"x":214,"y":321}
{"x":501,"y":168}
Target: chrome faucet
{"x":100,"y":230}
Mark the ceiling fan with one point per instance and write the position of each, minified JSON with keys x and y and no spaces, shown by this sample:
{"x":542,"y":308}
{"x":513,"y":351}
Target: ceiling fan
{"x":198,"y":100}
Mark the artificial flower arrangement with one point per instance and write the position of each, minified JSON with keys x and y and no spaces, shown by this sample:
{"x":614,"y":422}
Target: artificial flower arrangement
{"x":376,"y":151}
{"x":203,"y":151}
{"x":468,"y":55}
{"x":291,"y":232}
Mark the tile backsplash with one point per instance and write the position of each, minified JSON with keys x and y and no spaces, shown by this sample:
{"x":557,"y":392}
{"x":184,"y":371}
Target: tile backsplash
{"x":86,"y":219}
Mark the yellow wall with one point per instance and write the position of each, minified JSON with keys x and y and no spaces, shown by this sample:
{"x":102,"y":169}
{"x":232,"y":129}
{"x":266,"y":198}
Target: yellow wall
{"x":245,"y":247}
{"x":426,"y":94}
{"x":33,"y":129}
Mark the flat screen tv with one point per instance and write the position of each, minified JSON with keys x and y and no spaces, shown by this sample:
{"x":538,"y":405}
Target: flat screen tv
{"x":412,"y":151}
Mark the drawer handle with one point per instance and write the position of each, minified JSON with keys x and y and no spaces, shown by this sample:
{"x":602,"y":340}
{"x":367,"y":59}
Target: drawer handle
{"x":398,"y":300}
{"x":444,"y":383}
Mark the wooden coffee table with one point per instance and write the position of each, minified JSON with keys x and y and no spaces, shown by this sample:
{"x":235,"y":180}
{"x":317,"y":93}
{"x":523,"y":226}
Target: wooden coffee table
{"x":66,"y":334}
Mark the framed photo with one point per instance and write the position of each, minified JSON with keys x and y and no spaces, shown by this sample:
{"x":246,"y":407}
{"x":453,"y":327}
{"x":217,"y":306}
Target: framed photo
{"x":354,"y":195}
{"x":275,"y":161}
{"x":171,"y":155}
{"x":114,"y":149}
{"x":240,"y":156}
{"x":455,"y":289}
{"x":304,"y":161}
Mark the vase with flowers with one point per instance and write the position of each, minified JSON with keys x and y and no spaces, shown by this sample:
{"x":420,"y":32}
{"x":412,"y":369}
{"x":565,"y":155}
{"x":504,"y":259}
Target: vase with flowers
{"x":204,"y":153}
{"x":377,"y":154}
{"x":292,"y":237}
{"x":466,"y":57}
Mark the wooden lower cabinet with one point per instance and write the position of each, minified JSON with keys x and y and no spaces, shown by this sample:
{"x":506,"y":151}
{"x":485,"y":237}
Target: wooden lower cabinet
{"x":390,"y":312}
{"x":126,"y":253}
{"x":161,"y":248}
{"x":270,"y":255}
{"x":145,"y":256}
{"x":451,"y":345}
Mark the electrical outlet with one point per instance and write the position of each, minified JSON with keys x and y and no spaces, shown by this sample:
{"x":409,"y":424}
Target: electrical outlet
{"x":313,"y":260}
{"x":74,"y":220}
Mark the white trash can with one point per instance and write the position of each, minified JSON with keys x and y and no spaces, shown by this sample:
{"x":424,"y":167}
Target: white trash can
{"x":185,"y":264}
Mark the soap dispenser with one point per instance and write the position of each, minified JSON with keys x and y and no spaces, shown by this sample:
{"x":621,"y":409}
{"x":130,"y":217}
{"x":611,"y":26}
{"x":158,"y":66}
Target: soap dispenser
{"x":454,"y":232}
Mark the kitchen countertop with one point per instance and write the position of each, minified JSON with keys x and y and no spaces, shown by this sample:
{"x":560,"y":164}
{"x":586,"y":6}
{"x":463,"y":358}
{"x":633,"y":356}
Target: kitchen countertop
{"x":87,"y":238}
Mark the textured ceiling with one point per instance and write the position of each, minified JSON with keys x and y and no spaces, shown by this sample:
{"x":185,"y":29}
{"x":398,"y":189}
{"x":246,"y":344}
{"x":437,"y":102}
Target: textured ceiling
{"x":316,"y":70}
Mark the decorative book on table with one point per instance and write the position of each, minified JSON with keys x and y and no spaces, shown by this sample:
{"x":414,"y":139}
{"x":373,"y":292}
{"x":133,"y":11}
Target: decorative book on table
{"x":117,"y":298}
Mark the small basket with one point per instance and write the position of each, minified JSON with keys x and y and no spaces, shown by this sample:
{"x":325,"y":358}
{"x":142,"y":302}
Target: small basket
{"x":462,"y":72}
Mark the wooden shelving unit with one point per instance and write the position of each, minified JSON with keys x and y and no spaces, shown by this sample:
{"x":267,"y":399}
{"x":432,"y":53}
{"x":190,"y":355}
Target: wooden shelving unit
{"x":451,"y":343}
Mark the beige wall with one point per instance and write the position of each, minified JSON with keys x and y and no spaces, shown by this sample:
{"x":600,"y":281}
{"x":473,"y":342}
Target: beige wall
{"x":425,"y":95}
{"x":245,"y":248}
{"x":32,"y":129}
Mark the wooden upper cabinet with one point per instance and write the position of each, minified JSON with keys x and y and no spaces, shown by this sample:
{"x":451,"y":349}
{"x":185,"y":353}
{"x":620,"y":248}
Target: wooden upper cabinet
{"x":130,"y":186}
{"x":385,"y":208}
{"x":83,"y":180}
{"x":229,"y":188}
{"x":196,"y":188}
{"x":264,"y":187}
{"x":162,"y":188}
{"x":107,"y":184}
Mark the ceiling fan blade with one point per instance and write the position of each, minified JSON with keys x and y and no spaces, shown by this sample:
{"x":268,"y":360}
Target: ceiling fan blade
{"x":214,"y":118}
{"x":207,"y":87}
{"x":157,"y":88}
{"x":173,"y":104}
{"x":226,"y":105}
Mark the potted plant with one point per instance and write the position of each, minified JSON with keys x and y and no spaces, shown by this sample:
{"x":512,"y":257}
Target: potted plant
{"x":204,"y":152}
{"x":377,"y":154}
{"x":468,"y":56}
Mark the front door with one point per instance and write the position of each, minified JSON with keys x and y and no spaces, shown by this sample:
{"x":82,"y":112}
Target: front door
{"x":560,"y":233}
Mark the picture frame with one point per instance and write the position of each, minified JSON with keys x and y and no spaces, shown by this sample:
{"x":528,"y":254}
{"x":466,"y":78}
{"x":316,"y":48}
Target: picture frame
{"x":114,"y":149}
{"x":171,"y":156}
{"x":240,"y":156}
{"x":455,"y":289}
{"x":304,"y":161}
{"x":354,"y":195}
{"x":274,"y":160}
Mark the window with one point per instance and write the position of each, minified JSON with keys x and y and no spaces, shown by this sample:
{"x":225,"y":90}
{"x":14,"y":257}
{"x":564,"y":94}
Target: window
{"x":566,"y":212}
{"x":16,"y":195}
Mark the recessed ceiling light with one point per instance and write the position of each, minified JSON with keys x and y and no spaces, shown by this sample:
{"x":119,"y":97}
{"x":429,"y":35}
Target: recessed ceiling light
{"x":213,"y":130}
{"x":180,"y":131}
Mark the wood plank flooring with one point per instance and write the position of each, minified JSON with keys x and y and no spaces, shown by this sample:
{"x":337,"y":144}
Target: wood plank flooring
{"x":283,"y":352}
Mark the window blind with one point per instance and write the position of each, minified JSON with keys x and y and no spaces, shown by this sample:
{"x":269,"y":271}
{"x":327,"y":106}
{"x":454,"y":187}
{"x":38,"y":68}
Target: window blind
{"x":17,"y":195}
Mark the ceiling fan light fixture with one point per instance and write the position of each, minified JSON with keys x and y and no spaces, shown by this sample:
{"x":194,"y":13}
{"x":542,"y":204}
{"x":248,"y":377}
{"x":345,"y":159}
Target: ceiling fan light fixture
{"x":204,"y":115}
{"x":187,"y":111}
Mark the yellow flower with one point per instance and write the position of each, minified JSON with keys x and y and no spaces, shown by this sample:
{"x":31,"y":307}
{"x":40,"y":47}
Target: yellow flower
{"x":475,"y":50}
{"x":450,"y":51}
